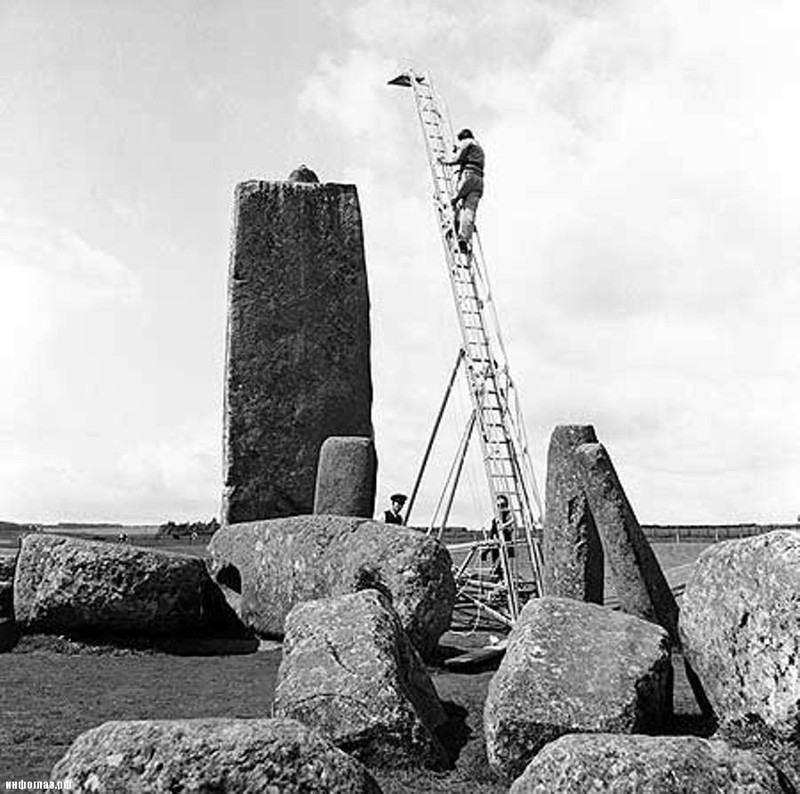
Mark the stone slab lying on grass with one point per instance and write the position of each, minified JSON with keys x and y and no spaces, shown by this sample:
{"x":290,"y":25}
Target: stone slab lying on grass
{"x":740,"y":625}
{"x":230,"y":755}
{"x":279,"y":563}
{"x":70,"y":585}
{"x":586,"y":763}
{"x":349,"y":671}
{"x":574,"y":667}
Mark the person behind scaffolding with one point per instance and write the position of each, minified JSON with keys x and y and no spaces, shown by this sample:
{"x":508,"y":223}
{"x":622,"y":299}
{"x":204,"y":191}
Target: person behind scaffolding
{"x":392,"y":516}
{"x":470,"y":159}
{"x":501,"y":530}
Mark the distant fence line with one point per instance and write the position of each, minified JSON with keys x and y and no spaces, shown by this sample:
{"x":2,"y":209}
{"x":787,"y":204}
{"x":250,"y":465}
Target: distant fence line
{"x":707,"y":533}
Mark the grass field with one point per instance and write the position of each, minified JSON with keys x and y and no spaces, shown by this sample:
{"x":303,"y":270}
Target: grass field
{"x":52,"y":689}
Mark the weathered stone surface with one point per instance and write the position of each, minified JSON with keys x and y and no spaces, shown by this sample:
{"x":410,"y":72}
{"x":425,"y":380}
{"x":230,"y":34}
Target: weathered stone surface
{"x":302,"y":174}
{"x":639,"y":581}
{"x":298,"y":349}
{"x":346,"y":474}
{"x":574,"y":667}
{"x":740,"y":626}
{"x":65,"y":585}
{"x":586,"y":763}
{"x":277,"y":564}
{"x":350,"y":672}
{"x":573,"y":555}
{"x":229,"y":755}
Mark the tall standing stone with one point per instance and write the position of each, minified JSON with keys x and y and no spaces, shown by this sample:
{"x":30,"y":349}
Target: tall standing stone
{"x":638,"y":579}
{"x":573,"y":555}
{"x":298,"y":342}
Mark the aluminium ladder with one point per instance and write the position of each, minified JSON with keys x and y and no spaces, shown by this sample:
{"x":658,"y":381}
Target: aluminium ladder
{"x":496,"y":415}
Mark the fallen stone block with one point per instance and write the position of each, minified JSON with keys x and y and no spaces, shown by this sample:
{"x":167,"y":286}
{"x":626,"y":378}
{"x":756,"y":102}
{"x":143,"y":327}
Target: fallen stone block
{"x":582,"y":763}
{"x":349,"y":671}
{"x":639,"y":582}
{"x":740,"y":626}
{"x":346,"y":477}
{"x":277,"y":564}
{"x":231,"y":755}
{"x":573,"y":554}
{"x":65,"y":585}
{"x":574,"y":667}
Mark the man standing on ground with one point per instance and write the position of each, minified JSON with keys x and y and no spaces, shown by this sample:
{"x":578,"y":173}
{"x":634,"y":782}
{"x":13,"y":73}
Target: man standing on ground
{"x":470,"y":159}
{"x":393,"y":516}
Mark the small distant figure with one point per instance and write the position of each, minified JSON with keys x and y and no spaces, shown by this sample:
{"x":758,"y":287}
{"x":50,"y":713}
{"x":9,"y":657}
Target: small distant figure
{"x":470,"y":159}
{"x":392,"y":516}
{"x":122,"y":537}
{"x":193,"y":537}
{"x":303,"y":174}
{"x":502,"y":527}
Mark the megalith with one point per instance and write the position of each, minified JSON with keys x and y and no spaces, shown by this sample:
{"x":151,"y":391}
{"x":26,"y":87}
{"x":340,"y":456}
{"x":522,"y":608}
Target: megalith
{"x":639,"y":581}
{"x":298,"y":342}
{"x":346,"y":475}
{"x":573,"y":554}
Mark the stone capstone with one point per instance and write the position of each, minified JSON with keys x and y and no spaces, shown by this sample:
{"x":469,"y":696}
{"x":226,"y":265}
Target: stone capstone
{"x":350,"y":672}
{"x":298,"y":343}
{"x":279,"y":563}
{"x":740,"y":626}
{"x":65,"y":585}
{"x":346,"y":476}
{"x":573,"y":554}
{"x":595,"y":763}
{"x":639,"y":582}
{"x":230,"y":755}
{"x":573,"y":667}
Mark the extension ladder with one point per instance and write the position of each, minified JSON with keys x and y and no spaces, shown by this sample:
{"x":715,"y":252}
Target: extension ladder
{"x":496,"y":414}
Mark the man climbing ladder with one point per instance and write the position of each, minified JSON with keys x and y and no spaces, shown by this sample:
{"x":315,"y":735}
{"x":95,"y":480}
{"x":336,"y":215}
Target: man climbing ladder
{"x":470,"y":159}
{"x":496,"y":416}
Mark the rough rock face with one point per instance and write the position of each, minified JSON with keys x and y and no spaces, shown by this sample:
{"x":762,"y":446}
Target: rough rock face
{"x":346,"y":476}
{"x":585,"y":763}
{"x":282,"y":562}
{"x":65,"y":585}
{"x":574,"y":667}
{"x":350,"y":672}
{"x":298,"y":346}
{"x":573,"y":555}
{"x":638,"y":579}
{"x":227,"y":755}
{"x":740,"y":625}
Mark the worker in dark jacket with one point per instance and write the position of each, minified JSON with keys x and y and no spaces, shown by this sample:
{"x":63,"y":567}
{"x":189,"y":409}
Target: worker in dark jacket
{"x":393,"y":516}
{"x":470,"y":159}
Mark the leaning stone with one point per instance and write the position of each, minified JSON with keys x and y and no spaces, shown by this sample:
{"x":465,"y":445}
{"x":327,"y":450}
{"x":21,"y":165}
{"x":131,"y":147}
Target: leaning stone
{"x":740,"y":626}
{"x":298,"y":349}
{"x":582,"y":763}
{"x":350,"y":672}
{"x":639,"y":582}
{"x":346,"y":476}
{"x":230,"y":755}
{"x":277,"y":564}
{"x":65,"y":585}
{"x":574,"y":667}
{"x":573,"y":555}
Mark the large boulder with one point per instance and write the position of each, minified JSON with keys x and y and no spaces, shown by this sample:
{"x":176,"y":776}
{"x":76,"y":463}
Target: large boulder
{"x":349,"y":671}
{"x":574,"y":667}
{"x":279,"y":563}
{"x":740,"y":626}
{"x":573,"y":554}
{"x":298,"y":343}
{"x":69,"y":585}
{"x":346,"y":474}
{"x":585,"y":763}
{"x":230,"y":755}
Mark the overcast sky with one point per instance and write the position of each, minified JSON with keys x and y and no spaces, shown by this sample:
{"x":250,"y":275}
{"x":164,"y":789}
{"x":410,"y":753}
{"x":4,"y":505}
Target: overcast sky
{"x":639,"y":226}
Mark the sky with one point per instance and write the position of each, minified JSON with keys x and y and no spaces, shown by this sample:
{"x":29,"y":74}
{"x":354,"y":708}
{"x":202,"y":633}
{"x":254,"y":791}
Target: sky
{"x":643,"y":178}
